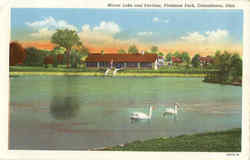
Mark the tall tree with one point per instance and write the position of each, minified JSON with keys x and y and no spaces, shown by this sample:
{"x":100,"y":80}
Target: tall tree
{"x":154,"y":49}
{"x":17,"y":54}
{"x":132,"y":49}
{"x":66,"y":38}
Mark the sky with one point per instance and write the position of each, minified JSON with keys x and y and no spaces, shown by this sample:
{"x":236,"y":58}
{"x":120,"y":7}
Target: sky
{"x":194,"y":31}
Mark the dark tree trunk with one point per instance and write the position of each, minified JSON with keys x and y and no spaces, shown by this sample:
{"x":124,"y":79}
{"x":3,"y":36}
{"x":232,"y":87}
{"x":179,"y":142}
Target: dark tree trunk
{"x":68,"y":57}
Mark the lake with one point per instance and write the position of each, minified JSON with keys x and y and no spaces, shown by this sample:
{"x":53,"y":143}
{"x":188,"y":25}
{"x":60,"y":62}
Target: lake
{"x":81,"y":113}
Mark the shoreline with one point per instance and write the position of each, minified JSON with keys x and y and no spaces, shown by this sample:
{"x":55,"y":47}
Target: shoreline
{"x":224,"y":83}
{"x":188,"y":75}
{"x":188,"y":142}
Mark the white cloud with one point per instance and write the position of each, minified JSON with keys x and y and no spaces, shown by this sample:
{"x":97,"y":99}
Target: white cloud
{"x":107,"y":27}
{"x":144,"y":33}
{"x":43,"y":23}
{"x":216,"y":36}
{"x":51,"y":23}
{"x":155,"y":19}
{"x":100,"y":34}
{"x":43,"y":33}
{"x":194,"y":37}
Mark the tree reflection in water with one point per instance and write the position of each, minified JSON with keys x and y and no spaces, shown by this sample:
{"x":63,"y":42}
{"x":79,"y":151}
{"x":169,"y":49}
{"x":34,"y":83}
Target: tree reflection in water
{"x":63,"y":108}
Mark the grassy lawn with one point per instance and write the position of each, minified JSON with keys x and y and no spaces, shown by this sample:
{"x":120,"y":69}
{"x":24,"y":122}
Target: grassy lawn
{"x":50,"y":69}
{"x":223,"y":141}
{"x":174,"y":69}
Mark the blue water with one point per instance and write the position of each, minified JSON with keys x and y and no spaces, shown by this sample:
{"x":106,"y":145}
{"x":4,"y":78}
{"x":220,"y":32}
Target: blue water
{"x":80,"y":113}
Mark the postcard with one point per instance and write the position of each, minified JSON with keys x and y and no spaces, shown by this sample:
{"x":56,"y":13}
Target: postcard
{"x":125,"y":79}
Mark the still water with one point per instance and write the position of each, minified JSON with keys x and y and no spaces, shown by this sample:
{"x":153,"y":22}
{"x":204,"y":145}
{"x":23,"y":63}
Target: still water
{"x":81,"y":113}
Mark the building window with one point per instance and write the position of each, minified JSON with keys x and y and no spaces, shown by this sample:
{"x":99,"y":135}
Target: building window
{"x":132,"y":64}
{"x":91,"y":64}
{"x":146,"y":64}
{"x":104,"y":64}
{"x":118,"y":64}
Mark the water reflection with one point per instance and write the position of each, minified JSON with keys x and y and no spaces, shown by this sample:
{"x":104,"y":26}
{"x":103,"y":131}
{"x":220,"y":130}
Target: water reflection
{"x":169,"y":116}
{"x":134,"y":121}
{"x":63,"y":108}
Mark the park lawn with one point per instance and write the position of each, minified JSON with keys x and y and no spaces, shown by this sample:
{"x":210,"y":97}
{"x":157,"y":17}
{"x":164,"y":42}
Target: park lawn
{"x":51,"y":73}
{"x":222,"y":141}
{"x":174,"y":69}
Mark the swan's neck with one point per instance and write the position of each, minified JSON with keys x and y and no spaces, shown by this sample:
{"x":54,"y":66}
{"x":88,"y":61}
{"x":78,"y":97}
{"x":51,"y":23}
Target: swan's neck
{"x":150,"y":112}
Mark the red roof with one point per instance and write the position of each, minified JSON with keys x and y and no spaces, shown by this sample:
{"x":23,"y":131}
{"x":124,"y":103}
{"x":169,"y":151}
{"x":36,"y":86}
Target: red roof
{"x":206,"y":59}
{"x":176,"y":60}
{"x":121,"y":57}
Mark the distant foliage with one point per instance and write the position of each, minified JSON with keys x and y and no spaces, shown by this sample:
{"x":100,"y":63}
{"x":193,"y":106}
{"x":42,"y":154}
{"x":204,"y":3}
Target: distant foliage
{"x":185,"y":57}
{"x":196,"y":60}
{"x":17,"y":54}
{"x":229,"y":68}
{"x":35,"y":57}
{"x":132,"y":49}
{"x":169,"y":56}
{"x":154,"y":49}
{"x":160,"y":54}
{"x":121,"y":51}
{"x":83,"y":51}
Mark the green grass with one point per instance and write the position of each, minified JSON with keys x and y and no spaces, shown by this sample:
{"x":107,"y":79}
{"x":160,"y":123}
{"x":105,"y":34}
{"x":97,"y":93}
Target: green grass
{"x":50,"y":69}
{"x":223,"y":141}
{"x":174,"y":69}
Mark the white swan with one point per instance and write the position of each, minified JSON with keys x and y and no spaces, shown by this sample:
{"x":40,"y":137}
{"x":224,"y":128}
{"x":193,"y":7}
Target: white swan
{"x":140,"y":115}
{"x":107,"y":71}
{"x":117,"y":69}
{"x":173,"y":111}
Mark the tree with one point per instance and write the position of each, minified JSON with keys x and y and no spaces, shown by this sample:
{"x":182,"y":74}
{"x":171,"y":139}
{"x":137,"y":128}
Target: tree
{"x":66,"y":38}
{"x":74,"y":58}
{"x":160,"y":54}
{"x":177,"y":54}
{"x":59,"y":50}
{"x":146,"y":52}
{"x":154,"y":49}
{"x":225,"y":66}
{"x":169,"y":56}
{"x":121,"y":51}
{"x":185,"y":57}
{"x":132,"y":49}
{"x":236,"y":64}
{"x":34,"y":56}
{"x":217,"y":59}
{"x":196,"y":60}
{"x":17,"y":54}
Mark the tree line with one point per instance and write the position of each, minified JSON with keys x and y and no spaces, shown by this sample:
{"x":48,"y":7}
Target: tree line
{"x":69,"y":51}
{"x":37,"y":57}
